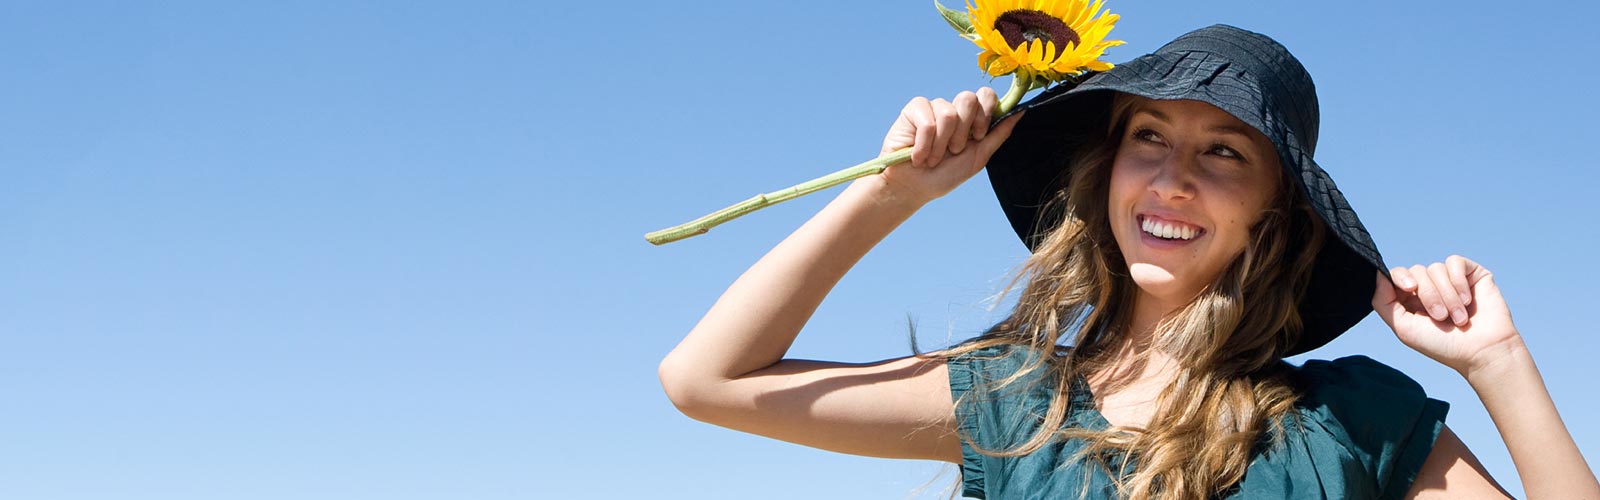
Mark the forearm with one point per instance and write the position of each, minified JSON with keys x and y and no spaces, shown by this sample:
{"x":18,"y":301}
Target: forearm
{"x":756,"y":320}
{"x":1546,"y":457}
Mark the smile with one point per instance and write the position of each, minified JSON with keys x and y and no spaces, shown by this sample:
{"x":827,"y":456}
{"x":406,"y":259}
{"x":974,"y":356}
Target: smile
{"x":1168,"y":230}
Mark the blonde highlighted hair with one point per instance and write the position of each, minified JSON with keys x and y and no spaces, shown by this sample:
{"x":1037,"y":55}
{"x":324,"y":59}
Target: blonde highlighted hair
{"x":1231,"y":388}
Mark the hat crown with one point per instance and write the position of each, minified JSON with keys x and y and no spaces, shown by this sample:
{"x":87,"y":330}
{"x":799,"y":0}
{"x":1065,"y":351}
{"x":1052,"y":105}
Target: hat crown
{"x":1287,"y":90}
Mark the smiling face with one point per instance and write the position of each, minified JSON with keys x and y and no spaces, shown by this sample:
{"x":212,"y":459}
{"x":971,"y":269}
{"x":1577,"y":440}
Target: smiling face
{"x":1187,"y":183}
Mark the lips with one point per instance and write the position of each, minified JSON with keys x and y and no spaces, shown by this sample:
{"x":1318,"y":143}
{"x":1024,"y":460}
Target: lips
{"x":1168,"y":227}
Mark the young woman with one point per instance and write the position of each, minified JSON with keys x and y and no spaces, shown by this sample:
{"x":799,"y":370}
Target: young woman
{"x":1186,"y":241}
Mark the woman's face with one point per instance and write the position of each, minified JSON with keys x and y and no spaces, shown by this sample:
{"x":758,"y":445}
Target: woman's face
{"x":1197,"y":178}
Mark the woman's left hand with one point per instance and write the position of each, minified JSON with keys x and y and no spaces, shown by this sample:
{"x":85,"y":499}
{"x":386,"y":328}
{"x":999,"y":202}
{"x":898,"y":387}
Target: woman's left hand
{"x":1450,"y":311}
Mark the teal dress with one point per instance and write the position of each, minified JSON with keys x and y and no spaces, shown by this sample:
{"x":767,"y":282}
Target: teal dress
{"x":1364,"y":431}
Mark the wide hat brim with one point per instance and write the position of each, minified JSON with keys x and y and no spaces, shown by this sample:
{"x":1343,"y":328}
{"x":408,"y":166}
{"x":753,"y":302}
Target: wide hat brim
{"x":1246,"y":74}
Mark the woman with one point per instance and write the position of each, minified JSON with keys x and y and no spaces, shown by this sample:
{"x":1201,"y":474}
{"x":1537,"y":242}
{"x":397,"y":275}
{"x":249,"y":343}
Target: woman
{"x":1185,"y":240}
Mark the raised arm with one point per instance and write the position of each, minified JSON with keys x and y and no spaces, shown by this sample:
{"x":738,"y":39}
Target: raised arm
{"x":730,"y":370}
{"x":1453,"y":312}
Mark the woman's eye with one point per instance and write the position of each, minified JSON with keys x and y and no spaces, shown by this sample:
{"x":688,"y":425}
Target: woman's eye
{"x":1225,"y":152}
{"x":1147,"y":135}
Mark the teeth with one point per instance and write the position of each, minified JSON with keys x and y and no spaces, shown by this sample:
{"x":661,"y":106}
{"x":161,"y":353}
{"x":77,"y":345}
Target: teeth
{"x":1165,"y":230}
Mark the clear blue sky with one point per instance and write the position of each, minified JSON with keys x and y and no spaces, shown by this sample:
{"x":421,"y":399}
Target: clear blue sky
{"x":392,"y":250}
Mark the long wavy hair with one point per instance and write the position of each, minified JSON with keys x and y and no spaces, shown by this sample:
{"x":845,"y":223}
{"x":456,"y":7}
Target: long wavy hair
{"x":1231,"y":388}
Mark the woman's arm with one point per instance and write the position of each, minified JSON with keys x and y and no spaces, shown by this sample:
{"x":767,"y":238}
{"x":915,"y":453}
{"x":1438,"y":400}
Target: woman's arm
{"x":1547,"y":459}
{"x":730,"y":370}
{"x":1453,"y":312}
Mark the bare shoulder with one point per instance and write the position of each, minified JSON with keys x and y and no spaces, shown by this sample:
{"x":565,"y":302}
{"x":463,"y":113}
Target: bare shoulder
{"x":1452,"y":472}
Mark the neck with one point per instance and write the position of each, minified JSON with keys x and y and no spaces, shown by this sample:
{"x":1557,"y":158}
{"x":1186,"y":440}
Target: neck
{"x":1148,"y":311}
{"x":1133,"y":357}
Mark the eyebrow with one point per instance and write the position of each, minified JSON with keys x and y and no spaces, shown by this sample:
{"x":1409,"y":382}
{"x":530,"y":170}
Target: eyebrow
{"x":1225,"y":129}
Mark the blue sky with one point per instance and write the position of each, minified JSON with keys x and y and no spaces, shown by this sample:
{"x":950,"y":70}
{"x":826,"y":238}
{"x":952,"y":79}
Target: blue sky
{"x":394,"y":250}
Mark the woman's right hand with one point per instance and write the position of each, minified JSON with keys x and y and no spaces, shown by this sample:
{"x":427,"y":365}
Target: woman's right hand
{"x":950,"y":140}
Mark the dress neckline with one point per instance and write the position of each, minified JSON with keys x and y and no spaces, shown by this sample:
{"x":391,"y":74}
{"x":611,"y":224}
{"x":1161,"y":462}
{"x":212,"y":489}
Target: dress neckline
{"x":1082,"y":402}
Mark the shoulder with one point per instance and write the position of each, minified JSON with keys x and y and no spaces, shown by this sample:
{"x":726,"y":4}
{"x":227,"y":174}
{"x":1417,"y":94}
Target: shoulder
{"x":1355,"y":379}
{"x":1383,"y":420}
{"x":1002,"y":394}
{"x":1002,"y":371}
{"x":1363,"y":394}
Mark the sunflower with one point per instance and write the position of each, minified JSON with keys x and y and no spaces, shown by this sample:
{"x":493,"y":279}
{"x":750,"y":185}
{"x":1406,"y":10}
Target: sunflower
{"x":1045,"y":39}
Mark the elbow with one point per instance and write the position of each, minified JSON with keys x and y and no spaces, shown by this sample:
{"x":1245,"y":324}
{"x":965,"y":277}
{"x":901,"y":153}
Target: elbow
{"x":684,"y":388}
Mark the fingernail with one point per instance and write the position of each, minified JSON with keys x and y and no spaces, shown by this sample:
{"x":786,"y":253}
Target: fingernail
{"x":1407,"y":282}
{"x":1466,"y":299}
{"x":1437,"y":312}
{"x":1459,"y":315}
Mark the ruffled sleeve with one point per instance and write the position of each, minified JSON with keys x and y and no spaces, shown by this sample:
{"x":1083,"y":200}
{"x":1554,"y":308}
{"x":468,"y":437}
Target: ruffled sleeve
{"x":1381,"y":417}
{"x":993,"y":419}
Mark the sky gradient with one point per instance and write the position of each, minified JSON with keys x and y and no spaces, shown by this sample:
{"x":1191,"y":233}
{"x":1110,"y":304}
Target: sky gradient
{"x":394,"y":249}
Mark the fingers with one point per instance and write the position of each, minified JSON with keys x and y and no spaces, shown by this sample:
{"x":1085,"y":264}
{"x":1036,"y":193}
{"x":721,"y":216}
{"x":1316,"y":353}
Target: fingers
{"x":948,"y":121}
{"x":1457,"y":265}
{"x":972,"y":120}
{"x":1474,"y":271}
{"x":989,"y":102}
{"x":1449,"y":293}
{"x":1403,"y":278}
{"x":1442,"y":289}
{"x":919,"y":114}
{"x":1429,"y":294}
{"x":940,"y":128}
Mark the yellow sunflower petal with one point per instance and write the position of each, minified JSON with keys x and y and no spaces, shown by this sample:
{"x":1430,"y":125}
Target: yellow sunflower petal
{"x":1068,"y":12}
{"x":1001,"y":52}
{"x":1001,"y":66}
{"x":1051,"y":8}
{"x":1099,"y":30}
{"x":1094,"y":8}
{"x":1046,"y":57}
{"x":998,"y":44}
{"x":1064,"y":9}
{"x":980,"y":17}
{"x":1067,"y":64}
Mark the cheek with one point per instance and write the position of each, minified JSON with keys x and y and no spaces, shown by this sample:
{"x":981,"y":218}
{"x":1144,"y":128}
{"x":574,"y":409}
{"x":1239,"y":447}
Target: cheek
{"x":1124,"y":179}
{"x":1244,"y":194}
{"x":1243,"y":210}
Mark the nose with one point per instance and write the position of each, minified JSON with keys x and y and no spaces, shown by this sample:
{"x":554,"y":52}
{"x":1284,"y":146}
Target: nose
{"x":1173,"y":178}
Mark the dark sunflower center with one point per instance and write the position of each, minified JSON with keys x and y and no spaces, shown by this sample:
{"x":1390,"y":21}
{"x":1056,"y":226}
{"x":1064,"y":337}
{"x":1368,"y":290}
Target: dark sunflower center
{"x":1020,"y":26}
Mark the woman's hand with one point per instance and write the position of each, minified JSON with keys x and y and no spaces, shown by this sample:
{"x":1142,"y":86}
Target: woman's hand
{"x":950,"y":140}
{"x":1451,"y":312}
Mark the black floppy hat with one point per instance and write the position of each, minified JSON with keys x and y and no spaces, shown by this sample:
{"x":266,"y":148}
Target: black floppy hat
{"x":1246,"y":74}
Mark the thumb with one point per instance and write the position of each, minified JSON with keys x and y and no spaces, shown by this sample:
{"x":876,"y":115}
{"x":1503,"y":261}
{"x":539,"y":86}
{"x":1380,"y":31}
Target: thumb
{"x":997,"y":136}
{"x":1383,"y":300}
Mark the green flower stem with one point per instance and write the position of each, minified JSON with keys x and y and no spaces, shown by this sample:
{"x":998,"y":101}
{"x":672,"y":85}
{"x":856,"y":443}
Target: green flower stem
{"x":1021,"y":83}
{"x":760,"y":201}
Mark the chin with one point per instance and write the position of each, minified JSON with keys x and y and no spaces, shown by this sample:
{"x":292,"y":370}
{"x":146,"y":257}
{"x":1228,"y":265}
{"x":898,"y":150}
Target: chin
{"x":1154,"y":280}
